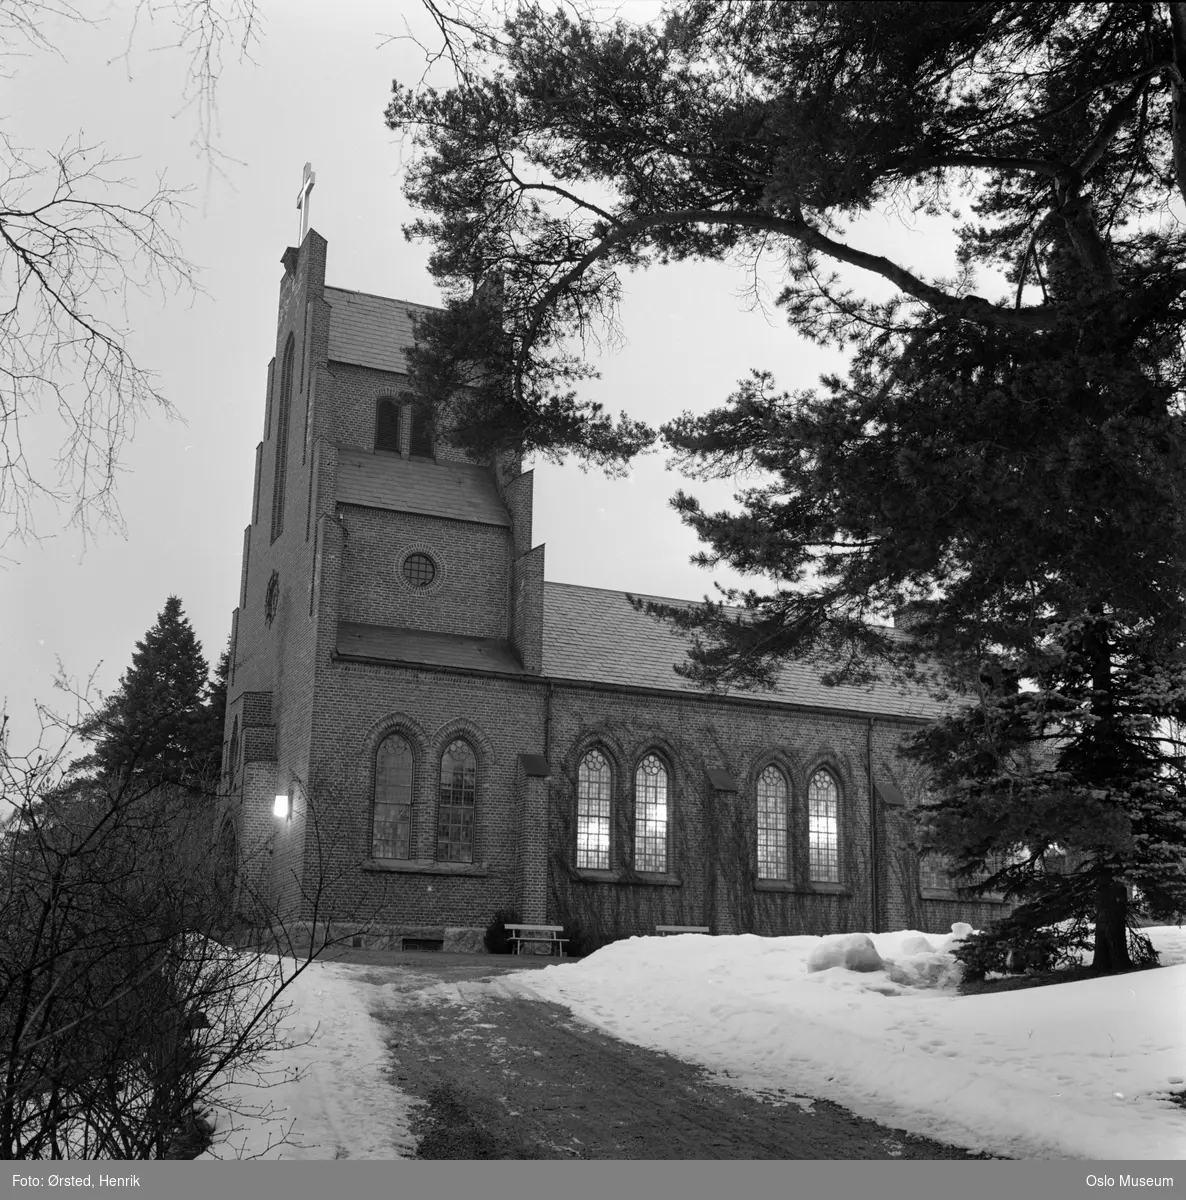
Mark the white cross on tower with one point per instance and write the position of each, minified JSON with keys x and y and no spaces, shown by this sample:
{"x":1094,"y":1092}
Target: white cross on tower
{"x":308,"y":179}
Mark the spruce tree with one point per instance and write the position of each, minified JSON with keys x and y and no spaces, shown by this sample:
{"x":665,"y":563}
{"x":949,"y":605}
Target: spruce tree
{"x":156,"y":727}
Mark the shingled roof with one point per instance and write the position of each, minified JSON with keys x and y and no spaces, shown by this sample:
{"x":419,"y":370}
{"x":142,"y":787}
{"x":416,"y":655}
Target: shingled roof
{"x":370,"y":331}
{"x":460,"y":491}
{"x":378,"y":643}
{"x":597,"y":636}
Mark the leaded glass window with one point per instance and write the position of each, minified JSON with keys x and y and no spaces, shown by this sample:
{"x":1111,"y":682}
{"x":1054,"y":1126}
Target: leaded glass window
{"x":455,"y":815}
{"x":823,"y":835}
{"x":593,"y":800}
{"x":772,"y":824}
{"x":393,"y":799}
{"x":932,"y":872}
{"x":650,"y":815}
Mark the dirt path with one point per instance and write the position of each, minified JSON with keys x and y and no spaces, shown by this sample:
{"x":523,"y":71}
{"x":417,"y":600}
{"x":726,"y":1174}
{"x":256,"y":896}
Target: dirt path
{"x":510,"y":1078}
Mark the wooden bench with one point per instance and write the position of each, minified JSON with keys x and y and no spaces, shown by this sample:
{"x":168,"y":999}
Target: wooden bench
{"x":664,"y":930}
{"x":549,"y":935}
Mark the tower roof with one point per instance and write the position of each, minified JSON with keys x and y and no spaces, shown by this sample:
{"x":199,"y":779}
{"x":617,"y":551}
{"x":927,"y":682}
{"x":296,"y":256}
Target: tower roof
{"x":370,"y":331}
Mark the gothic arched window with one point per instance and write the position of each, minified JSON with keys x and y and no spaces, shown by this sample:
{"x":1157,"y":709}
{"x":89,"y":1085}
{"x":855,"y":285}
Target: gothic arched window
{"x":455,"y":814}
{"x":823,"y":828}
{"x":593,"y":805}
{"x":387,"y":426}
{"x":650,"y":815}
{"x":392,"y":827}
{"x":772,"y":796}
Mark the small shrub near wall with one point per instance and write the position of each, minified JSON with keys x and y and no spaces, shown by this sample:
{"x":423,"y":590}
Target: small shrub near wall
{"x":497,"y":939}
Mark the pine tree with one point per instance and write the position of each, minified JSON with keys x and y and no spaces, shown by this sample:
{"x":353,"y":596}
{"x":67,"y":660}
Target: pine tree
{"x":1013,"y":468}
{"x":156,"y":727}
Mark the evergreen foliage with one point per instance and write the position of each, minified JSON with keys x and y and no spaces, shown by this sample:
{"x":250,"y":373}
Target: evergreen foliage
{"x":496,"y":938}
{"x":1012,"y":470}
{"x":163,"y":724}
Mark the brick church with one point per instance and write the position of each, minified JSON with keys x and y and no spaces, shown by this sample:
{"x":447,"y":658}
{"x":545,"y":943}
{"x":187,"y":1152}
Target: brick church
{"x":423,"y":730}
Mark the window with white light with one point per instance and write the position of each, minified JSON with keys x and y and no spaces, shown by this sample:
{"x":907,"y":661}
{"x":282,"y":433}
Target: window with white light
{"x":823,"y":828}
{"x":593,"y":811}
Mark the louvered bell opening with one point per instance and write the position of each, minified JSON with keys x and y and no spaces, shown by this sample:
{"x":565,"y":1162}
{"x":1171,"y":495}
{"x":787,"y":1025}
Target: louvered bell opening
{"x":387,"y":427}
{"x":421,"y":440}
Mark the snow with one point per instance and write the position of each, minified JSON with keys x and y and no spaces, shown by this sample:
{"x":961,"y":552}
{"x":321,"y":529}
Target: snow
{"x":327,"y":1096}
{"x":852,"y":951}
{"x":1078,"y":1070}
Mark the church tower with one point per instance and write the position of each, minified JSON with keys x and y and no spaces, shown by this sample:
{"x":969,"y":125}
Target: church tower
{"x":385,"y":686}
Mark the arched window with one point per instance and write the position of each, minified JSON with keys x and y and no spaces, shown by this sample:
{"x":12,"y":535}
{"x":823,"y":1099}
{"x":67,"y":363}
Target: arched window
{"x":650,"y":815}
{"x":593,"y":800}
{"x":280,"y":473}
{"x":772,"y":824}
{"x":420,"y":440}
{"x":455,"y":815}
{"x":387,"y":426}
{"x":393,"y":799}
{"x":823,"y":831}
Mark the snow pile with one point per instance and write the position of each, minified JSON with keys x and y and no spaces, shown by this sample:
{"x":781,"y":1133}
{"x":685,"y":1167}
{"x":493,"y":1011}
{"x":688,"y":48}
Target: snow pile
{"x":1078,"y":1070}
{"x":852,"y":951}
{"x":916,"y":962}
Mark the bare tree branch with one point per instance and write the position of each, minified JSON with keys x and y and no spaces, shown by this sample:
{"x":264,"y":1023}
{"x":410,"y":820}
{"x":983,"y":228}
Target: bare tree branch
{"x":71,"y":250}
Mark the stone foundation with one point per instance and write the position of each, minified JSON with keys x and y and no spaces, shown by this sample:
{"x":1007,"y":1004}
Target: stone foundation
{"x":454,"y":939}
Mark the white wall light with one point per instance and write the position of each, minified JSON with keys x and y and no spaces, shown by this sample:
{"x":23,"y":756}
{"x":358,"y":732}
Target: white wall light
{"x":282,"y":808}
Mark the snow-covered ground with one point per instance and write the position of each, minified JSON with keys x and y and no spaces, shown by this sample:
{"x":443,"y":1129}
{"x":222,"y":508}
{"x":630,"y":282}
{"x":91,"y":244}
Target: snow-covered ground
{"x":1081,"y":1070}
{"x":328,"y":1096}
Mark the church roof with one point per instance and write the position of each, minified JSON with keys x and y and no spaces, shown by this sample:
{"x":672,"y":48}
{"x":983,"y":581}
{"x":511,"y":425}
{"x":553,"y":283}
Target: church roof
{"x":597,"y":636}
{"x":384,"y":644}
{"x":459,"y":491}
{"x":370,"y":331}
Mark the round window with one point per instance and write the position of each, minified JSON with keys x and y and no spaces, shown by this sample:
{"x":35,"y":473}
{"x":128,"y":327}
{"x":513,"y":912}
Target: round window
{"x":419,"y":570}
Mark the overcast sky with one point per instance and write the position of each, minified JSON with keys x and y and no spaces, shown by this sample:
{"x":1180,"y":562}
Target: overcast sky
{"x":316,"y":92}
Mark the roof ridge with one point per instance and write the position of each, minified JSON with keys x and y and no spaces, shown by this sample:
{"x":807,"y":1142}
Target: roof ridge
{"x":664,"y":599}
{"x":584,"y":587}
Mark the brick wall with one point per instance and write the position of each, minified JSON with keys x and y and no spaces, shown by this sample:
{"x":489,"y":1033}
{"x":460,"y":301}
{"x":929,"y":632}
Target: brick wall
{"x":469,"y":596}
{"x":356,"y":392}
{"x":358,"y":705}
{"x":712,"y":837}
